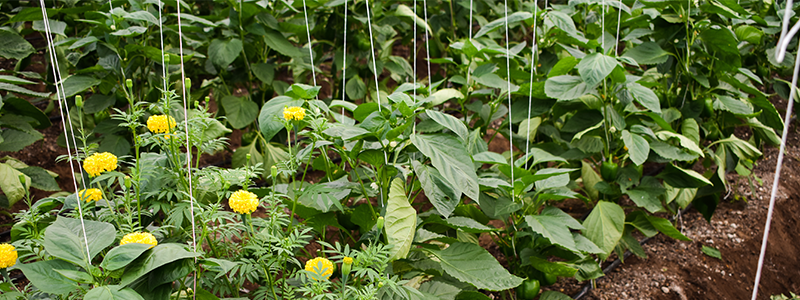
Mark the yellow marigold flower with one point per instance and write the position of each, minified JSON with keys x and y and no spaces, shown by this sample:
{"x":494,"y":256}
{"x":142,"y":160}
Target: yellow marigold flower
{"x":347,"y":260}
{"x":322,"y":264}
{"x":294,"y":112}
{"x":98,"y":163}
{"x":89,"y":195}
{"x":243,"y":202}
{"x":139,"y":238}
{"x":8,"y":256}
{"x":160,"y":123}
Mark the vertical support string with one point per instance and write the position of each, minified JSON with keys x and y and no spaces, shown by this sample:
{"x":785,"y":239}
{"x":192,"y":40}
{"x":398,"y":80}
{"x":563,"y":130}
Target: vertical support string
{"x":427,"y":48}
{"x":63,"y":106}
{"x":161,"y":36}
{"x":344,"y":57}
{"x":310,"y":53}
{"x":372,"y":50}
{"x":508,"y":92}
{"x":530,"y":91}
{"x":619,"y":20}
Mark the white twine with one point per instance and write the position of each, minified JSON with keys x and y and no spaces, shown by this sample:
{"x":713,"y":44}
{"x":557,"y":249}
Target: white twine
{"x":427,"y":47}
{"x":311,"y":53}
{"x":619,"y":20}
{"x":344,"y":57}
{"x":64,"y":106}
{"x":510,"y":130}
{"x":374,"y":66}
{"x":161,"y":36}
{"x":530,"y":91}
{"x":780,"y":52}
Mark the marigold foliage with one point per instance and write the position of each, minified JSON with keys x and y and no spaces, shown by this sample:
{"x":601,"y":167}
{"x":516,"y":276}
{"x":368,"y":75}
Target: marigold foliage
{"x":322,"y":264}
{"x":243,"y":202}
{"x":98,"y":163}
{"x":8,"y":256}
{"x":294,"y":113}
{"x":89,"y":195}
{"x":160,"y":123}
{"x":139,"y":238}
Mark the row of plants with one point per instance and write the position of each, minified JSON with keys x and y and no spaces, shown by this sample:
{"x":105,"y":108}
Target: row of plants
{"x":349,"y":190}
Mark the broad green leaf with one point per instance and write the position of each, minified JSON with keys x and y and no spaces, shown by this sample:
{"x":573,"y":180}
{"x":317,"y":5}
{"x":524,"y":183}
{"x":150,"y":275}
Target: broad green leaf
{"x":405,"y":11}
{"x":512,"y":18}
{"x":271,"y":116}
{"x":78,"y":83}
{"x":160,"y":255}
{"x":471,"y":295}
{"x":666,"y":228}
{"x":20,"y":90}
{"x":749,"y":33}
{"x":355,"y":88}
{"x":264,"y":72}
{"x":691,"y":130}
{"x":15,"y":80}
{"x":565,"y":218}
{"x":683,"y":178}
{"x":401,"y":221}
{"x":472,"y":264}
{"x":671,"y":152}
{"x":528,"y":127}
{"x":645,"y":97}
{"x":25,"y":108}
{"x":595,"y":67}
{"x":304,"y":91}
{"x":452,"y":123}
{"x":553,"y":295}
{"x":41,"y":179}
{"x":98,"y":102}
{"x":552,"y":268}
{"x":43,"y":276}
{"x":13,"y":46}
{"x":685,"y":142}
{"x":468,"y":225}
{"x":223,"y":52}
{"x":112,"y":292}
{"x":13,"y":189}
{"x":647,"y":194}
{"x":451,"y":159}
{"x":122,"y":255}
{"x":590,"y":178}
{"x":443,"y":95}
{"x":563,"y":66}
{"x":723,"y":45}
{"x":56,"y":27}
{"x":65,"y":239}
{"x":442,"y":195}
{"x":239,"y":111}
{"x":604,"y":226}
{"x":732,"y":105}
{"x":711,"y":251}
{"x":142,"y":15}
{"x":77,"y":276}
{"x":648,"y":53}
{"x":553,"y":229}
{"x":276,"y":41}
{"x":638,"y":148}
{"x":566,"y":87}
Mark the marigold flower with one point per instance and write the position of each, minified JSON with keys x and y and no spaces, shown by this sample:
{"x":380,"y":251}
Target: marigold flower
{"x":139,"y":238}
{"x":160,"y":123}
{"x":89,"y":195}
{"x":98,"y":163}
{"x":347,"y":260}
{"x":8,"y":256}
{"x":322,"y":265}
{"x":243,"y":202}
{"x":294,"y":112}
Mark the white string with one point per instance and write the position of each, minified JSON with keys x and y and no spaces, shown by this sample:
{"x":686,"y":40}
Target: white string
{"x":780,"y":52}
{"x":619,"y":20}
{"x":161,"y":36}
{"x":188,"y":146}
{"x":413,"y":130}
{"x":344,"y":57}
{"x":530,"y":91}
{"x":310,"y":53}
{"x":428,"y":48}
{"x":510,"y":131}
{"x":64,"y":106}
{"x":374,"y":66}
{"x":603,"y":26}
{"x":470,"y":23}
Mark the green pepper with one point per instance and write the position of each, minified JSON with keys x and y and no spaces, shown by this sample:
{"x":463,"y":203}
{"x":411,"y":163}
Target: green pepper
{"x":609,"y":171}
{"x":550,"y":279}
{"x":709,"y":109}
{"x":363,"y":43}
{"x":529,"y":289}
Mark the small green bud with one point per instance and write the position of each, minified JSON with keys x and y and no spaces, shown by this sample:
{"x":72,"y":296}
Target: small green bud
{"x":347,"y":264}
{"x":208,"y":99}
{"x":187,"y":83}
{"x":128,"y":182}
{"x":166,"y":59}
{"x":129,"y":83}
{"x":274,"y":172}
{"x":380,"y":284}
{"x":22,"y":179}
{"x":79,"y":101}
{"x":380,"y":223}
{"x":248,"y":157}
{"x":196,"y":103}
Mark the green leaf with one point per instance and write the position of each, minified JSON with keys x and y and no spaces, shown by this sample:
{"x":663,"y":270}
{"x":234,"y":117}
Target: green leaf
{"x":443,"y":95}
{"x":276,"y":41}
{"x":405,"y":11}
{"x":77,"y":276}
{"x":77,"y":83}
{"x":43,"y":276}
{"x":732,"y":105}
{"x":13,"y":189}
{"x":264,"y":72}
{"x":749,"y":33}
{"x":472,"y":264}
{"x":161,"y":255}
{"x":691,"y":130}
{"x":304,"y":91}
{"x":604,"y":226}
{"x":647,"y":194}
{"x":112,"y":292}
{"x":41,"y":179}
{"x":666,"y":228}
{"x":356,"y":88}
{"x":122,"y":255}
{"x":401,"y":221}
{"x":563,"y":66}
{"x":56,"y":27}
{"x":553,"y":229}
{"x":553,"y":295}
{"x":648,"y":53}
{"x":271,"y":116}
{"x":13,"y":46}
{"x":711,"y":251}
{"x":566,"y":87}
{"x":64,"y":239}
{"x":222,"y":53}
{"x":595,"y":67}
{"x":142,"y":15}
{"x":450,"y":122}
{"x":451,"y":159}
{"x":682,"y":178}
{"x":442,"y":195}
{"x":98,"y":102}
{"x":240,"y":111}
{"x":638,"y":148}
{"x":14,"y":80}
{"x":552,"y":268}
{"x":116,"y":144}
{"x":723,"y":45}
{"x":645,"y":97}
{"x":590,"y":178}
{"x":685,"y":142}
{"x":491,"y":26}
{"x":20,"y":90}
{"x":529,"y":127}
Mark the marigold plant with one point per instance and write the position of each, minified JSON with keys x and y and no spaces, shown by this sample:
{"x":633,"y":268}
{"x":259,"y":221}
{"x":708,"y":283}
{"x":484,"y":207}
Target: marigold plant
{"x":243,"y":202}
{"x":89,"y":195}
{"x":139,"y":238}
{"x":98,"y":163}
{"x":320,"y":264}
{"x":8,"y":256}
{"x":160,"y":123}
{"x":294,"y":113}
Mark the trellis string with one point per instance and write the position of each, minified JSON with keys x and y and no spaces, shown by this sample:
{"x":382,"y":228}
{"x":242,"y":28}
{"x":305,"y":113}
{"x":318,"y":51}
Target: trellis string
{"x":310,"y":53}
{"x":530,"y":91}
{"x":508,"y":92}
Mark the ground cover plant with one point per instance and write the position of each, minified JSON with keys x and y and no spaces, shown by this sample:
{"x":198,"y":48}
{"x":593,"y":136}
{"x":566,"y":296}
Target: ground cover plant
{"x":370,"y":170}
